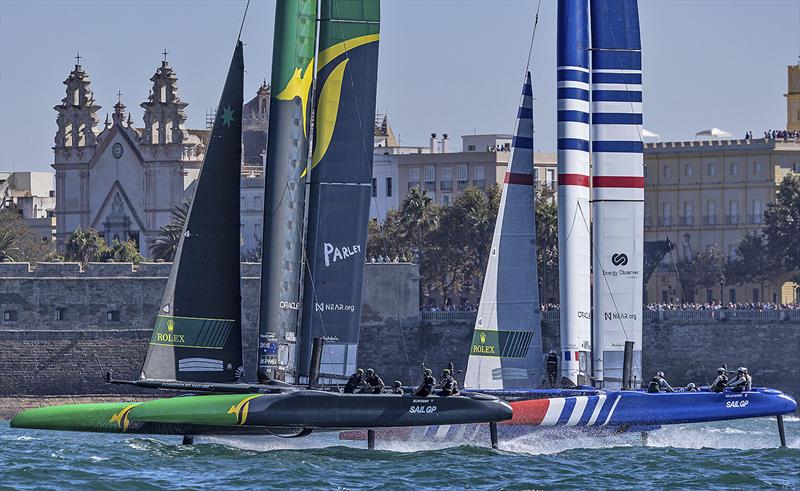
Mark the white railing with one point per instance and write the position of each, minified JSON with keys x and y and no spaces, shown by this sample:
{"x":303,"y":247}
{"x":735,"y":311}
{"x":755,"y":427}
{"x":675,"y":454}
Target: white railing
{"x":706,"y":314}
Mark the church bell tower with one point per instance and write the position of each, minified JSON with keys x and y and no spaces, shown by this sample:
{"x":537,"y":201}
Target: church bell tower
{"x":164,"y":112}
{"x":77,"y":115}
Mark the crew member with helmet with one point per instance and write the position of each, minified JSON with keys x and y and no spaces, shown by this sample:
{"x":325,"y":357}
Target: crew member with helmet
{"x":373,"y":383}
{"x":355,"y":381}
{"x":692,"y":387}
{"x":428,"y":382}
{"x":552,"y":368}
{"x":721,"y":381}
{"x":743,"y":380}
{"x":397,"y":387}
{"x":448,"y":384}
{"x":659,"y":384}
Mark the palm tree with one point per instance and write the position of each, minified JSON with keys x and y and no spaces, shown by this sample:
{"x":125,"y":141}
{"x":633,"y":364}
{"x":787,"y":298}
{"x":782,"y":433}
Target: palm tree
{"x":165,"y":246}
{"x":418,"y":212}
{"x":85,"y":245}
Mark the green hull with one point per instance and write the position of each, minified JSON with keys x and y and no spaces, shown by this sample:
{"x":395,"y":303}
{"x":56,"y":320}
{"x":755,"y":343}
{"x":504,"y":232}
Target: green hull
{"x":139,"y":417}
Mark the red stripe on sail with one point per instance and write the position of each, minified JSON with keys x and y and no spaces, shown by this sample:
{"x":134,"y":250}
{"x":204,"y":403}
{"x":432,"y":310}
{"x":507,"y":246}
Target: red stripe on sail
{"x":573,"y":180}
{"x":519,"y":178}
{"x":617,"y":182}
{"x":528,"y":412}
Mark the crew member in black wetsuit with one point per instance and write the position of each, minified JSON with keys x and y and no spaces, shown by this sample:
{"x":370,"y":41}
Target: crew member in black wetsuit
{"x":743,"y":380}
{"x":659,"y":384}
{"x":721,"y":381}
{"x":448,"y":383}
{"x":374,"y":384}
{"x":426,"y":387}
{"x":355,"y":381}
{"x":552,"y":368}
{"x":692,"y":388}
{"x":397,"y":387}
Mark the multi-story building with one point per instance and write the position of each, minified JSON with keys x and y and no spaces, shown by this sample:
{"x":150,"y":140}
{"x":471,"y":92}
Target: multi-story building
{"x":709,"y":194}
{"x":483,"y":163}
{"x":33,"y":197}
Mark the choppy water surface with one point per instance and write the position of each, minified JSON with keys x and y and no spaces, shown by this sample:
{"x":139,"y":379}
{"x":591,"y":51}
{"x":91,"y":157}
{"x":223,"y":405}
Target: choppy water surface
{"x":713,"y":456}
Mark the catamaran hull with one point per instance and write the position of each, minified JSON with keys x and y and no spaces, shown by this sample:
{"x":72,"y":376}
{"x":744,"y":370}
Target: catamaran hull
{"x":602,"y":413}
{"x":280,"y":414}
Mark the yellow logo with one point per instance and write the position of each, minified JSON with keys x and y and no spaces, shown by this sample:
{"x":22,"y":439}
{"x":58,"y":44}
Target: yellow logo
{"x":170,"y":325}
{"x":483,"y":338}
{"x":121,"y":418}
{"x":240,"y":409}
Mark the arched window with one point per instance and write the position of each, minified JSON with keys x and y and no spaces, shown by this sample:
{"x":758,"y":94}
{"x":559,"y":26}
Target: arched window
{"x":112,"y":316}
{"x":163,"y":94}
{"x":76,"y":99}
{"x":154,"y":133}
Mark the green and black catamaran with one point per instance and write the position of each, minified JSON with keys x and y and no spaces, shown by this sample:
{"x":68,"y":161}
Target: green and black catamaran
{"x":196,"y":345}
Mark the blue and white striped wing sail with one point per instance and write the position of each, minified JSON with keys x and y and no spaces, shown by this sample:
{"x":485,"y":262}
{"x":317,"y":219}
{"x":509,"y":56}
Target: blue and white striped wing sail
{"x":574,"y":258}
{"x":617,"y":186}
{"x":506,"y":348}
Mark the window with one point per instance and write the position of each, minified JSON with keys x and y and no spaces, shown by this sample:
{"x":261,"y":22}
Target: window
{"x":445,"y":199}
{"x":550,"y":176}
{"x":734,"y":169}
{"x":447,"y":179}
{"x":709,"y":295}
{"x":688,"y":170}
{"x":60,"y":311}
{"x":430,"y":173}
{"x":711,"y":213}
{"x":756,"y":168}
{"x":112,"y":316}
{"x":374,"y":187}
{"x":10,"y":316}
{"x":413,"y":177}
{"x":536,"y":175}
{"x":480,"y":178}
{"x":733,"y":212}
{"x":257,"y":202}
{"x":712,"y":170}
{"x":388,"y":187}
{"x":757,"y":211}
{"x":732,"y":295}
{"x":462,"y":172}
{"x":470,"y":148}
{"x":257,"y":229}
{"x":666,"y":214}
{"x":163,"y":95}
{"x":688,"y":213}
{"x":665,"y":172}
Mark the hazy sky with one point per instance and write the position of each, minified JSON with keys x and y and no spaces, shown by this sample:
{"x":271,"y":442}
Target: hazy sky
{"x":445,"y":66}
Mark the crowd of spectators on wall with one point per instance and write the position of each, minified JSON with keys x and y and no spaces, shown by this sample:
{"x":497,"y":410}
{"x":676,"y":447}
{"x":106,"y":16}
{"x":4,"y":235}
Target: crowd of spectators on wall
{"x":784,"y":135}
{"x":467,"y":306}
{"x":722,"y":306}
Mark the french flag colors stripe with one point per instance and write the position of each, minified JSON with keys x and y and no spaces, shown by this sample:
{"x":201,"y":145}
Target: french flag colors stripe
{"x":565,"y":411}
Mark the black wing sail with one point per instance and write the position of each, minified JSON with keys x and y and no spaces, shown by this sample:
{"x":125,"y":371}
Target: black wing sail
{"x":341,"y":181}
{"x":197,"y":334}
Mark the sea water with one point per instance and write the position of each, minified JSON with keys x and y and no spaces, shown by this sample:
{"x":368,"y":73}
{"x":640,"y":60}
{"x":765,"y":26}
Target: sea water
{"x":740,"y":455}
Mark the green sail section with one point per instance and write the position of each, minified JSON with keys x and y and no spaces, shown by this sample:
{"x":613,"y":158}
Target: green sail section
{"x":284,"y":193}
{"x":211,"y":410}
{"x":340,"y":181}
{"x":197,"y":335}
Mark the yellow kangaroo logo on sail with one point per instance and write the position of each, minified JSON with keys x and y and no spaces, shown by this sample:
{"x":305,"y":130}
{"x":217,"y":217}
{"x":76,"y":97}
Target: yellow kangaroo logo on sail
{"x":299,"y":86}
{"x":240,"y":409}
{"x":121,"y":418}
{"x":327,"y":112}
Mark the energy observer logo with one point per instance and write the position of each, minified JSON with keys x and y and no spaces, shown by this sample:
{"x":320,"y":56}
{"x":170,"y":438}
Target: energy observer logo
{"x":619,"y":259}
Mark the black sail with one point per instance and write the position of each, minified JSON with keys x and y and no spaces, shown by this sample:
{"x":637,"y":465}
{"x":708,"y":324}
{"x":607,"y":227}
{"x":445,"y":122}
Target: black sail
{"x":197,"y":335}
{"x":340,"y":181}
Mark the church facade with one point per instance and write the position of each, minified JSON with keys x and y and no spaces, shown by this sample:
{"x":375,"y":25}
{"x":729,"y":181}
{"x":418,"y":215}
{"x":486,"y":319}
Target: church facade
{"x":124,"y":181}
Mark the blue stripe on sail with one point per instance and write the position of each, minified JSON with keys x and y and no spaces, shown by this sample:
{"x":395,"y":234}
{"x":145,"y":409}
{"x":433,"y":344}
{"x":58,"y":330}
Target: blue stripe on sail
{"x":566,"y":411}
{"x":526,"y":89}
{"x":573,"y":33}
{"x":617,"y":146}
{"x":573,"y":93}
{"x":573,"y":144}
{"x":616,"y":60}
{"x":565,"y":74}
{"x":577,"y":116}
{"x":617,"y":78}
{"x":588,"y":410}
{"x":617,"y":95}
{"x":522,"y":142}
{"x":615,"y":24}
{"x":525,"y":113}
{"x":617,"y":118}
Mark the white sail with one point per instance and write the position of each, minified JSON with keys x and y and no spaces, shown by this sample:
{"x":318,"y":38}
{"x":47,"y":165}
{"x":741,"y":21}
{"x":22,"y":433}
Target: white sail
{"x":506,"y":348}
{"x":574,"y":246}
{"x":617,"y":187}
